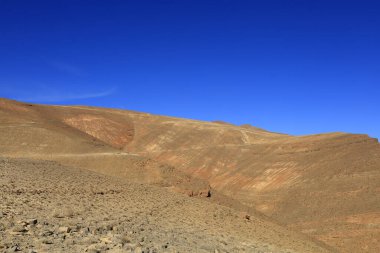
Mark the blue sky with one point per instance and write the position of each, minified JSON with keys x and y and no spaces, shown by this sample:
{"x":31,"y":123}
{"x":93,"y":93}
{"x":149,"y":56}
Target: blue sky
{"x":298,"y":67}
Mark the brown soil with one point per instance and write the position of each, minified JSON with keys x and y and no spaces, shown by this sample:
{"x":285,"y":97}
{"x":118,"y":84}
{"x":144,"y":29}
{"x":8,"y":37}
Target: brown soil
{"x":326,"y":186}
{"x":47,"y":207}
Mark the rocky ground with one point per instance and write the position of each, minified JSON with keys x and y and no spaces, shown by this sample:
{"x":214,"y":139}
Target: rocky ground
{"x":325,"y":185}
{"x":47,"y":207}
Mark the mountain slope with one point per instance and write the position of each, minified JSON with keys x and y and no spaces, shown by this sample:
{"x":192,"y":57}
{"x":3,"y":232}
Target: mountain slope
{"x":326,"y":185}
{"x":53,"y":133}
{"x":53,"y":208}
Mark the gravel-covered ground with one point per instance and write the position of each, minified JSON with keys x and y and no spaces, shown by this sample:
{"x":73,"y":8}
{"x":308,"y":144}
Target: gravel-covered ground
{"x":47,"y":207}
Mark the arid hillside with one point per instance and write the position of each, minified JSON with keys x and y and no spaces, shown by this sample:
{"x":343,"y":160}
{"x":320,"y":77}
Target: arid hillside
{"x":86,"y":139}
{"x":326,"y":186}
{"x":47,"y":207}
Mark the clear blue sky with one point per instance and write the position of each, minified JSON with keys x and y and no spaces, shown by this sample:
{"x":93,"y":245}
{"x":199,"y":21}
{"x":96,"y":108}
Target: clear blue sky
{"x":298,"y":67}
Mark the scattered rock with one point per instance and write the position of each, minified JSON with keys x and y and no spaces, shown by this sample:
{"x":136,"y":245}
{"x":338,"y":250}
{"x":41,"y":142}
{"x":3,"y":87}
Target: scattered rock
{"x":46,"y":233}
{"x":62,"y":230}
{"x":138,"y":220}
{"x":20,"y":229}
{"x":125,"y":239}
{"x":85,"y":230}
{"x":15,"y":248}
{"x":31,"y":221}
{"x":106,"y":240}
{"x":47,"y":241}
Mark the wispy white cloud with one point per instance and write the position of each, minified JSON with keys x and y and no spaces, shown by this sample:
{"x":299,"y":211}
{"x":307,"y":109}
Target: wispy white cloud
{"x":67,"y":96}
{"x":67,"y":68}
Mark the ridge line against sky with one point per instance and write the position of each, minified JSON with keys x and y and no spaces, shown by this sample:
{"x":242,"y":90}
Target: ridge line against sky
{"x":297,"y":67}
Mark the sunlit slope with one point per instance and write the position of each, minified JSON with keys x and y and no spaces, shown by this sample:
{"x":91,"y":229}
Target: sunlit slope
{"x":326,"y":185}
{"x":98,"y":212}
{"x":86,"y":139}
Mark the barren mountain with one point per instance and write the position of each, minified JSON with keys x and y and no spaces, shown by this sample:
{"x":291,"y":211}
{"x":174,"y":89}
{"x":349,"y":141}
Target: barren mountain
{"x":326,"y":186}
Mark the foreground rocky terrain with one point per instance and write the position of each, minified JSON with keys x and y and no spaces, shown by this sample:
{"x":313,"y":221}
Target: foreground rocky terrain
{"x":47,"y":207}
{"x":326,"y":186}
